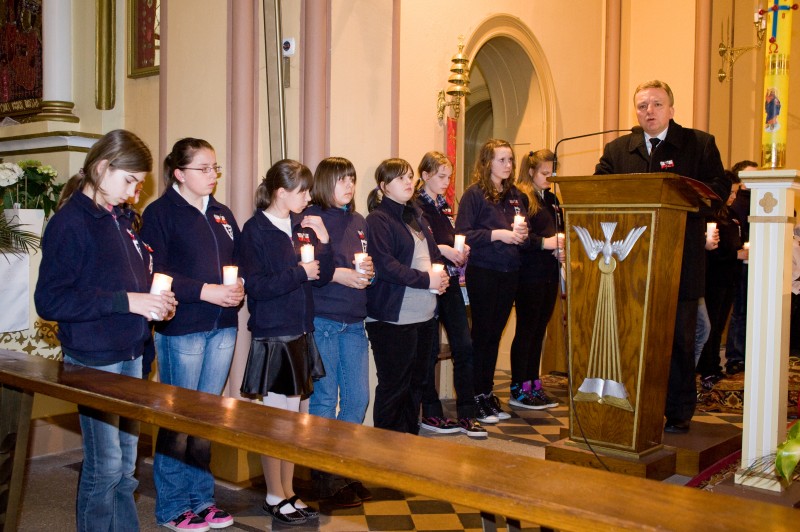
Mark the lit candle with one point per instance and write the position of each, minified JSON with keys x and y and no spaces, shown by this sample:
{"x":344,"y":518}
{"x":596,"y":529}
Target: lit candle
{"x":307,"y":253}
{"x":746,"y":247}
{"x":458,"y":245}
{"x":359,"y":258}
{"x":230,"y":274}
{"x":161,"y":283}
{"x":710,"y":228}
{"x":518,"y":221}
{"x":437,"y":270}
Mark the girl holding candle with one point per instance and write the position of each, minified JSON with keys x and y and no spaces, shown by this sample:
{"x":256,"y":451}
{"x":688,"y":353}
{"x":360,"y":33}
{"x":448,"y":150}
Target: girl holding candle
{"x":283,"y":359}
{"x":340,"y":308}
{"x":487,"y":217}
{"x":538,"y":281}
{"x":193,"y":237}
{"x":435,"y":170}
{"x":723,"y":269}
{"x":400,"y":306}
{"x":94,"y":281}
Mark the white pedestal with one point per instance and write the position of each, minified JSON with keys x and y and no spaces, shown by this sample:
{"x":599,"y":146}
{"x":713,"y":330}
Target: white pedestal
{"x":768,"y":307}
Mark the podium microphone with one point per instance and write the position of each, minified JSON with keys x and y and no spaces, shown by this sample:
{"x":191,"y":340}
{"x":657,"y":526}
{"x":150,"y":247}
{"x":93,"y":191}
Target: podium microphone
{"x":555,"y":150}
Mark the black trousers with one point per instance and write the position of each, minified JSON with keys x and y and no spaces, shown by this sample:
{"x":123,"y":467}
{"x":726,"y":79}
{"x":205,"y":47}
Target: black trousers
{"x":453,"y":316}
{"x":491,"y":297}
{"x":401,"y":354}
{"x":681,"y":388}
{"x":534,"y":302}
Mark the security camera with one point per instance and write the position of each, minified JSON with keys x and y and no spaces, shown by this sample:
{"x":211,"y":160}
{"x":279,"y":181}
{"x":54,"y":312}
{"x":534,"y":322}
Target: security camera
{"x":288,"y":47}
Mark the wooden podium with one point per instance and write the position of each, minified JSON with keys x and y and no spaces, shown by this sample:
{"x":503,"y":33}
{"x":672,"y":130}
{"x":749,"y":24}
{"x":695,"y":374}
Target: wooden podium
{"x":624,"y":243}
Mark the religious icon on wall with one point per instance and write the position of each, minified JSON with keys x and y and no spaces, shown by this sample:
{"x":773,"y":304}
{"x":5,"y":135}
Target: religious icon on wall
{"x":144,"y":42}
{"x":20,"y":57}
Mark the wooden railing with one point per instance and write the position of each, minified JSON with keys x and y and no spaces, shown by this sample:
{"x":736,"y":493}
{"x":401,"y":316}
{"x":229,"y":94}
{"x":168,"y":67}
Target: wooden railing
{"x":554,"y":495}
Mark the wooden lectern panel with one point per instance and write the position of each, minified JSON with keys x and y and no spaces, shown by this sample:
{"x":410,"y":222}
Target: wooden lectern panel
{"x":624,"y":246}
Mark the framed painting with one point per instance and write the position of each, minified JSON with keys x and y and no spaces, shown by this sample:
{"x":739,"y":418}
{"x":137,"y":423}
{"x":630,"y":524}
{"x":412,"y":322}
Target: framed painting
{"x":144,"y":43}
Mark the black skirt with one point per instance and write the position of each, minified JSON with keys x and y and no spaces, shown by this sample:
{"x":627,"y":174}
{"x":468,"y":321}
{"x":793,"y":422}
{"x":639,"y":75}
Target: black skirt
{"x":287,"y":365}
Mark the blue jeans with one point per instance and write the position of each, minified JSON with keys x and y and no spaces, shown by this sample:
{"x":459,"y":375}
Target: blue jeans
{"x":183,"y":479}
{"x":703,"y":329}
{"x":106,"y":484}
{"x":345,"y":352}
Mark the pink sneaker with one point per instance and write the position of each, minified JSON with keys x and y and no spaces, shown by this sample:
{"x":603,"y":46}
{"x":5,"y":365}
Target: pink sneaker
{"x":188,"y":520}
{"x":216,"y":518}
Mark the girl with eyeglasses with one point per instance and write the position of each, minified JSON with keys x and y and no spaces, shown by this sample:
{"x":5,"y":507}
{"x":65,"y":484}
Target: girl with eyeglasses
{"x":193,"y":237}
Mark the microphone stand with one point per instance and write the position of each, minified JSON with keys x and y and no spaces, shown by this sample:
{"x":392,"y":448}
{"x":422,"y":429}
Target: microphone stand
{"x":555,"y":150}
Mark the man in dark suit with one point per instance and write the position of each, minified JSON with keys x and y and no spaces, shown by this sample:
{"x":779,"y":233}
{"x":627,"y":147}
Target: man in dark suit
{"x":661,"y":145}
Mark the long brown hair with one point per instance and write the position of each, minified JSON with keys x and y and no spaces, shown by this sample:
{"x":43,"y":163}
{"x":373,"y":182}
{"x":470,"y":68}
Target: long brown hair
{"x":530,"y":164}
{"x":121,"y":149}
{"x":482,"y":174}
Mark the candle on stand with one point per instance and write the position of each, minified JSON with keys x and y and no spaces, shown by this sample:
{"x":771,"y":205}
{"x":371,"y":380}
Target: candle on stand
{"x":161,"y":282}
{"x":710,"y":228}
{"x":436,"y":269}
{"x":230,"y":275}
{"x":460,"y":240}
{"x":359,"y":258}
{"x":307,"y":253}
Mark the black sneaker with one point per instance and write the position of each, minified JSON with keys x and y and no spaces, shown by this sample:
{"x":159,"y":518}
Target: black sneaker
{"x":548,"y":401}
{"x":528,"y":400}
{"x":483,"y":411}
{"x":472,"y":428}
{"x":360,"y":490}
{"x":494,"y":404}
{"x":345,"y":498}
{"x":709,"y":381}
{"x":439,"y":425}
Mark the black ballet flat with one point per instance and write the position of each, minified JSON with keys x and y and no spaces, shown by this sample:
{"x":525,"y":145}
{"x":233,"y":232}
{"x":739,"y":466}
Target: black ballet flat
{"x":308,"y":512}
{"x":292,"y":518}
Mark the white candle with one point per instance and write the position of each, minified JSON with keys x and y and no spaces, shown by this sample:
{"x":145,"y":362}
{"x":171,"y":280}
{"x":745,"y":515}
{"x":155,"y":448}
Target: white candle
{"x":436,"y":269}
{"x":746,"y":246}
{"x":161,"y":282}
{"x":518,"y":220}
{"x":458,"y":245}
{"x":230,"y":275}
{"x":710,"y":228}
{"x":756,"y":17}
{"x":307,"y":253}
{"x":359,"y":258}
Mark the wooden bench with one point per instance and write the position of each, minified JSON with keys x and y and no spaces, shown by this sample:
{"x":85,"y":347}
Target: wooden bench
{"x":555,"y":495}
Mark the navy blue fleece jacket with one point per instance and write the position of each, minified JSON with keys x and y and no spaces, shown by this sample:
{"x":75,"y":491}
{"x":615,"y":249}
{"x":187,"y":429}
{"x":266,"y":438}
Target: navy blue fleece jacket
{"x":192,"y":248}
{"x":91,"y":259}
{"x":279,"y":294}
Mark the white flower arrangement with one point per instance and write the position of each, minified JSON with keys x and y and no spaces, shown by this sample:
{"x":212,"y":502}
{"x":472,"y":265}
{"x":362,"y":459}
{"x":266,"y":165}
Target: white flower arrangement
{"x":29,"y":185}
{"x":10,"y":174}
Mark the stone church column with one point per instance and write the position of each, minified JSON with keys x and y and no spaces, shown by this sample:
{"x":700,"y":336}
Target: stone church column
{"x":57,"y":101}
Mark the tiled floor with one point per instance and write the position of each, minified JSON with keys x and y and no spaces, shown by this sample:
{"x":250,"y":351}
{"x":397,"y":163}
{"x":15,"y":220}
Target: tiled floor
{"x":528,"y":431}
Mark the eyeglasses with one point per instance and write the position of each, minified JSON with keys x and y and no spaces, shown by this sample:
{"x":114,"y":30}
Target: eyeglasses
{"x":207,"y":170}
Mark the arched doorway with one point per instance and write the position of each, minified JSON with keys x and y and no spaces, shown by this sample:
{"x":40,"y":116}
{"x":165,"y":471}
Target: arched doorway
{"x":512,"y":94}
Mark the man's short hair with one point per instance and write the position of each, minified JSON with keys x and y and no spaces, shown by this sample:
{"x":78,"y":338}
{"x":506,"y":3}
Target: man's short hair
{"x":654,"y":84}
